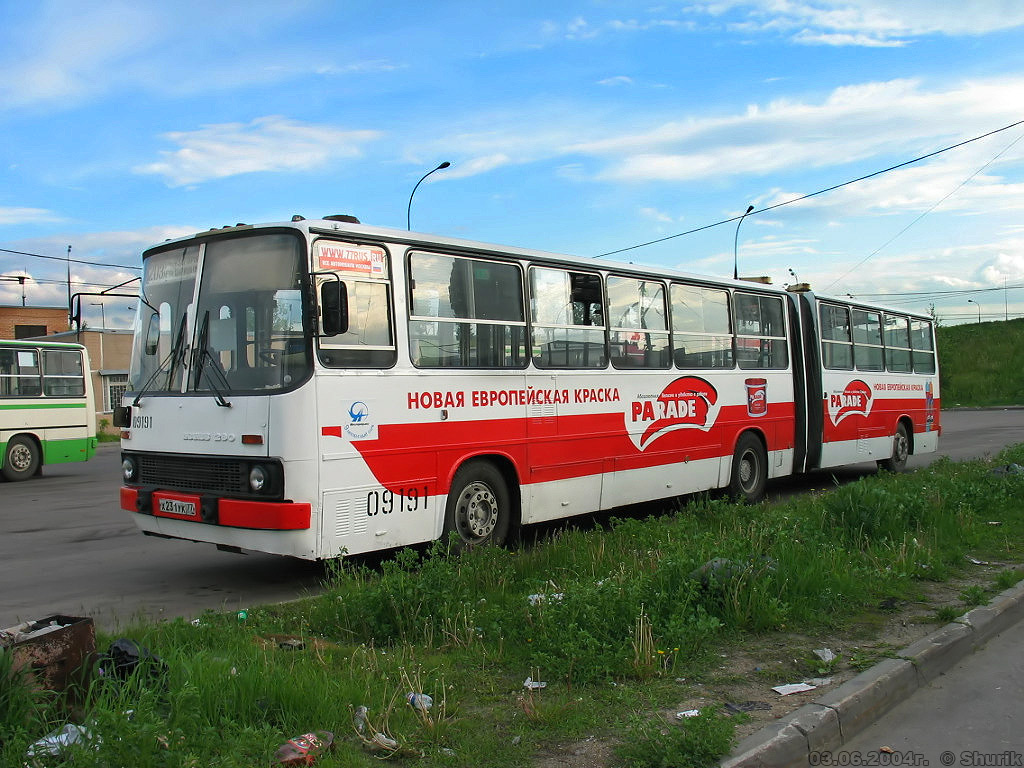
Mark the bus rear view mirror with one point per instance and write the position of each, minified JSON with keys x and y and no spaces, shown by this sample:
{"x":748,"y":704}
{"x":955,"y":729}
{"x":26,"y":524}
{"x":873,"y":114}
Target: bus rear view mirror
{"x":153,"y":334}
{"x":122,"y":416}
{"x":333,"y":308}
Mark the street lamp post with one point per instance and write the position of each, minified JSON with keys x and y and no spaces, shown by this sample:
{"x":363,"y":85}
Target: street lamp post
{"x":408,"y":210}
{"x":972,"y":301}
{"x":735,"y":245}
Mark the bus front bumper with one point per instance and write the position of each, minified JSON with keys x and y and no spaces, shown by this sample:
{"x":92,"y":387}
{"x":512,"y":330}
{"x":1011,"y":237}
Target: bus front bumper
{"x":233,"y":513}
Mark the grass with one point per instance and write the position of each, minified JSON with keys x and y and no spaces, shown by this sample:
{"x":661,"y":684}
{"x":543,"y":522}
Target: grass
{"x":980,"y":363}
{"x":609,"y":617}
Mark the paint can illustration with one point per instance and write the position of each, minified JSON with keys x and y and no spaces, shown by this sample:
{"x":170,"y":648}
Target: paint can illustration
{"x":757,"y":397}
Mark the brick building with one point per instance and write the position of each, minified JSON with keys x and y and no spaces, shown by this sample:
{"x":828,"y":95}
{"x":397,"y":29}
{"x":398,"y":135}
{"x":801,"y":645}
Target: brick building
{"x":18,"y":322}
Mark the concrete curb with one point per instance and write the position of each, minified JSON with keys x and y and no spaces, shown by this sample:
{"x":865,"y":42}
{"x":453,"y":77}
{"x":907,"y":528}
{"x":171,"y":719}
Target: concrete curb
{"x":836,"y":717}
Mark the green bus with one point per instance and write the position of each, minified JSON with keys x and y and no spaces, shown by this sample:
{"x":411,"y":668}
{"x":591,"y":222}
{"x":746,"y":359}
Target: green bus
{"x":47,"y":408}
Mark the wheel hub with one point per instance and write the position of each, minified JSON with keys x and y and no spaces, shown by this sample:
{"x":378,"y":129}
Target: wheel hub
{"x":21,"y":458}
{"x":478,"y":511}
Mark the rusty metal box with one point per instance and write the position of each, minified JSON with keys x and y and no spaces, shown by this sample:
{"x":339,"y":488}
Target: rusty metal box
{"x":54,"y":648}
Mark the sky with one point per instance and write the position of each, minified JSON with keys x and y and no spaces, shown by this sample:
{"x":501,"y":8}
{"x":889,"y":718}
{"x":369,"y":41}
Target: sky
{"x":573,"y":127}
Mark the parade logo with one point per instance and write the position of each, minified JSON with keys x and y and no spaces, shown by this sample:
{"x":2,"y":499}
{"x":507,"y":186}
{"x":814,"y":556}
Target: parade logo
{"x":855,"y":400}
{"x":689,"y":402}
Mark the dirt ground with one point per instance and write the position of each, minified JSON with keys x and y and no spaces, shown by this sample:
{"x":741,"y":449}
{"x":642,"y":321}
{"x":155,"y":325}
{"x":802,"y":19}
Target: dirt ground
{"x":744,"y":677}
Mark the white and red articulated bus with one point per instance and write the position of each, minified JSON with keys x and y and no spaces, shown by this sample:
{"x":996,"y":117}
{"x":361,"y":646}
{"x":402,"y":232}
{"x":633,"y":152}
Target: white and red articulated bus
{"x":315,"y":388}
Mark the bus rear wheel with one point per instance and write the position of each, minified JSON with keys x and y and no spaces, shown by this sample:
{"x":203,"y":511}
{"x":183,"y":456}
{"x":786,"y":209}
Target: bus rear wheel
{"x":21,"y":459}
{"x":897,"y":462}
{"x":749,"y":470}
{"x":479,"y":508}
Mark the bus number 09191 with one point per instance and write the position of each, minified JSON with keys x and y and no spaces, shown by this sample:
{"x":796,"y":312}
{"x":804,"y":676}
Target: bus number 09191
{"x":400,"y":500}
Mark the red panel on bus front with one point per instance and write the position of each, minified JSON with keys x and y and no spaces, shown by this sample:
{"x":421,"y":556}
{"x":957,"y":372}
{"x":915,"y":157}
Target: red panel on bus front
{"x":129,"y":499}
{"x":265,"y":515}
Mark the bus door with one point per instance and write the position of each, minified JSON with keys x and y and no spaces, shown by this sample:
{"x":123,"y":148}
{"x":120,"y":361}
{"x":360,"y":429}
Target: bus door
{"x":807,"y":383}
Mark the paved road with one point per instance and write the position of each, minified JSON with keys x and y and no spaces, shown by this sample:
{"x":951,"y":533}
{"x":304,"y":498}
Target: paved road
{"x":969,"y":716}
{"x":65,"y":546}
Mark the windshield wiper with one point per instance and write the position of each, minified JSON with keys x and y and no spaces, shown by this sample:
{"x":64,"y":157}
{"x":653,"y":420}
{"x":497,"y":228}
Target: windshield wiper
{"x":173,"y":359}
{"x":206,"y":358}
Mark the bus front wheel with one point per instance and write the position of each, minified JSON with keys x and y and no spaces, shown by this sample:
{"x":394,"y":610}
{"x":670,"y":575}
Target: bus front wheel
{"x":479,"y":507}
{"x":21,"y":459}
{"x":749,"y":470}
{"x":897,"y":462}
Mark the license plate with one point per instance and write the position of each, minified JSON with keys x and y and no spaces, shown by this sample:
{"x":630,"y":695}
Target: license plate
{"x":177,"y":507}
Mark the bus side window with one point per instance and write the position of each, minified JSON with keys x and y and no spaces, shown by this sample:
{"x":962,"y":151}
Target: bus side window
{"x":867,"y":340}
{"x":638,"y":331}
{"x":760,"y":332}
{"x":897,"y":344}
{"x":921,"y":342}
{"x":465,"y":313}
{"x":62,"y":373}
{"x":701,"y":327}
{"x":836,"y":342}
{"x":20,"y":373}
{"x":568,"y":319}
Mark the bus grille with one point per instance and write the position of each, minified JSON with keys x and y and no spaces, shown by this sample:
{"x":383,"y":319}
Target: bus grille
{"x":194,"y":473}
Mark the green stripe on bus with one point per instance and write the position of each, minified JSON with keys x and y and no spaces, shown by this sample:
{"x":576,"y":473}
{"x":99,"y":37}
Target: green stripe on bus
{"x":40,"y":406}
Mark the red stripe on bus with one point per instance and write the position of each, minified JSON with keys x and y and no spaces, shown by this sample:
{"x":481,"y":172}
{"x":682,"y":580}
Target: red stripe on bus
{"x":544,"y":449}
{"x":264,"y":515}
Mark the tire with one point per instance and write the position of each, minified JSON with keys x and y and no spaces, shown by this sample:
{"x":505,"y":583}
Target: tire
{"x":897,"y":462}
{"x":479,"y":507}
{"x":749,"y":470}
{"x":21,"y":458}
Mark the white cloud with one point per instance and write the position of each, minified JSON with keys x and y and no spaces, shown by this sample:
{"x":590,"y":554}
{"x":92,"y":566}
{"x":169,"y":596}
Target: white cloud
{"x":617,"y":80}
{"x":64,"y":54}
{"x":655,"y":215}
{"x":270,"y":143}
{"x":1007,"y":264}
{"x":866,"y":22}
{"x":854,"y":122}
{"x":15,"y":215}
{"x":68,"y":53}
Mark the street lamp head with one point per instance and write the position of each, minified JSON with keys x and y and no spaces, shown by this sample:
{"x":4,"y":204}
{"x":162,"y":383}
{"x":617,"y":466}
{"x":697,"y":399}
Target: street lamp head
{"x":408,"y":210}
{"x":735,"y":245}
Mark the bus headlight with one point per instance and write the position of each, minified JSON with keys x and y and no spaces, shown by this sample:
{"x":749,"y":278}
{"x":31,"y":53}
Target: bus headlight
{"x":129,"y":469}
{"x":258,"y":478}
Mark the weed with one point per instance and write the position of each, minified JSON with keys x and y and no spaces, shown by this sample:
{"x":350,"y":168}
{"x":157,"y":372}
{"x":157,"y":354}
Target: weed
{"x":697,"y":742}
{"x":974,"y":595}
{"x":946,"y":614}
{"x":1006,"y":579}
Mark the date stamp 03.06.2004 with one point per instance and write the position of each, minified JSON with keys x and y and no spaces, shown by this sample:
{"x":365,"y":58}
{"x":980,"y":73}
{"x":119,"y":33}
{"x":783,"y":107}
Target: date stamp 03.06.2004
{"x":895,"y":758}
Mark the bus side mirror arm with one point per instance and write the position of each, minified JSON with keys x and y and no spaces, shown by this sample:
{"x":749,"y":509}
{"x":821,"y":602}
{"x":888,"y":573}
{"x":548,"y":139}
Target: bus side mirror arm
{"x":333,"y":308}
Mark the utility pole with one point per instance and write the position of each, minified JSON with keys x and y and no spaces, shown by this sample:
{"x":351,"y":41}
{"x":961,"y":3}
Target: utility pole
{"x":69,"y":287}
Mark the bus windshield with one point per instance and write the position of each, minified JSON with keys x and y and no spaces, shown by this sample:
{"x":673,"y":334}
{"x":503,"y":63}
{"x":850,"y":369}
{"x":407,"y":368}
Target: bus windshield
{"x":243,"y":331}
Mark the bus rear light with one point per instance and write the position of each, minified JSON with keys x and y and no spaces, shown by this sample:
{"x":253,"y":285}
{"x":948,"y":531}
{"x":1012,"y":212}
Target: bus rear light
{"x":252,"y":439}
{"x":126,"y":435}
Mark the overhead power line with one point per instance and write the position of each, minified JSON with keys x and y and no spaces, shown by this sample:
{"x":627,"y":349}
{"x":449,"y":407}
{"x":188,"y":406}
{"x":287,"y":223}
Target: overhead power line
{"x":73,"y":261}
{"x":956,"y":292}
{"x":833,"y":188}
